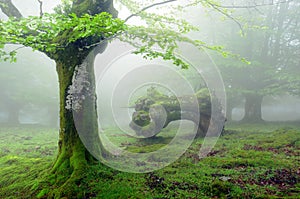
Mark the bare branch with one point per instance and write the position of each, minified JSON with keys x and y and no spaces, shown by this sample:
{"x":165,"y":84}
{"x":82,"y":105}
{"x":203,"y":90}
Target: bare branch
{"x":19,"y":48}
{"x":9,"y":9}
{"x":41,"y":8}
{"x":227,"y":15}
{"x":219,"y":8}
{"x":133,"y":15}
{"x":254,"y":5}
{"x":146,"y":8}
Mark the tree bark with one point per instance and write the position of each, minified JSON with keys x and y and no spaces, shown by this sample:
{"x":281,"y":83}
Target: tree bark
{"x":78,"y":124}
{"x":253,"y":112}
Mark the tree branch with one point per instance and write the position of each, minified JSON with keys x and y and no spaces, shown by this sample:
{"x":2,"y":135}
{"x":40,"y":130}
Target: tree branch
{"x":146,"y":8}
{"x":227,"y":15}
{"x":41,"y":8}
{"x":133,"y":15}
{"x":254,"y":5}
{"x":9,"y":9}
{"x":219,"y":8}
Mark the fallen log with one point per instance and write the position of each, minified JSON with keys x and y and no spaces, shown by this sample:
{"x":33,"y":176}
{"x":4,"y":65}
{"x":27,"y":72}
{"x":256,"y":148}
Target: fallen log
{"x":156,"y":110}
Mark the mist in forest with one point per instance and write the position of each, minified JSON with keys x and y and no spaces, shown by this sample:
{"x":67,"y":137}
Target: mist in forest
{"x":267,"y":89}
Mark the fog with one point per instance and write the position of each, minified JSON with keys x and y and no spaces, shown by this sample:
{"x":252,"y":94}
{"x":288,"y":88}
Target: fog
{"x":274,"y":108}
{"x":29,"y":88}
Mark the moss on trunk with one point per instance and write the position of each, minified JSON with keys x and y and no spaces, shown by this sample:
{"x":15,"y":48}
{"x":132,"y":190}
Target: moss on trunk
{"x":73,"y":158}
{"x":148,"y":118}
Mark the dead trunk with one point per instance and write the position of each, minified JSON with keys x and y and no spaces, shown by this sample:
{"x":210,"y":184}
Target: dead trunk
{"x":156,"y":110}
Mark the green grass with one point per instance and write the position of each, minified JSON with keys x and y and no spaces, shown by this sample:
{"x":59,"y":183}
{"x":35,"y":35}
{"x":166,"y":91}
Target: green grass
{"x":248,"y":161}
{"x":25,"y":153}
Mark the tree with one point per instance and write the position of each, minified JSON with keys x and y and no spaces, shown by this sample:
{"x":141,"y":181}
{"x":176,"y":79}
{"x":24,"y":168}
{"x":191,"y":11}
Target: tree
{"x":72,"y":37}
{"x":269,"y":42}
{"x":31,"y":90}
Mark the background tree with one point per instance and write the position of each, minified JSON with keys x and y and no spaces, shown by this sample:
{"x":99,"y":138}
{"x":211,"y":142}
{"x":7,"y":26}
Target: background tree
{"x":269,"y":41}
{"x":26,"y":84}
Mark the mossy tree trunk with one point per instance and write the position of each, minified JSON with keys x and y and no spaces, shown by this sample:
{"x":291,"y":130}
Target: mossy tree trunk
{"x":149,"y":117}
{"x":72,"y":158}
{"x":78,"y":122}
{"x":78,"y":112}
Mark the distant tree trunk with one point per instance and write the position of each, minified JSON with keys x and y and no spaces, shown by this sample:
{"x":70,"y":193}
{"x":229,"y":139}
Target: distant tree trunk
{"x":13,"y":115}
{"x":253,"y":112}
{"x":53,"y":115}
{"x":229,"y":109}
{"x":276,"y":51}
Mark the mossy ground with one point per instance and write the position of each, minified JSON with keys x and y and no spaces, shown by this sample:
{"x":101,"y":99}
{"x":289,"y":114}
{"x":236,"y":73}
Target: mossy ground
{"x":249,"y":161}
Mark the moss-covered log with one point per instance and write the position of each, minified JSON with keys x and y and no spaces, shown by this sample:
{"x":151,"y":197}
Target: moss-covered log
{"x":156,"y":110}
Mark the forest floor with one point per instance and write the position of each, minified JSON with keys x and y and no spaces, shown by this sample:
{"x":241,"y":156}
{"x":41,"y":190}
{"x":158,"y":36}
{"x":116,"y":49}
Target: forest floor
{"x":248,"y":161}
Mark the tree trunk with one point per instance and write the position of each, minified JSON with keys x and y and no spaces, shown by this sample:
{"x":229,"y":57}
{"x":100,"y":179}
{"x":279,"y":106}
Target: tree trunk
{"x":253,"y":111}
{"x":78,"y":125}
{"x":229,"y":108}
{"x":156,"y":110}
{"x":72,"y":156}
{"x":13,"y":115}
{"x":53,"y":113}
{"x":78,"y":112}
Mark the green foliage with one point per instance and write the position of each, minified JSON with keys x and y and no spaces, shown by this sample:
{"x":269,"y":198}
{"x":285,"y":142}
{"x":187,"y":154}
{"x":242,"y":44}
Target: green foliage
{"x":53,"y":32}
{"x":102,"y":25}
{"x":41,"y":33}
